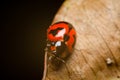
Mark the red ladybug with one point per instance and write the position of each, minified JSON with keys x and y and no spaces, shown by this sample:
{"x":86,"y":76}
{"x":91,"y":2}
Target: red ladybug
{"x":61,"y":37}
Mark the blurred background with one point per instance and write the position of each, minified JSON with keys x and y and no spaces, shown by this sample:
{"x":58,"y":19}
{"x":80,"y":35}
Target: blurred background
{"x":24,"y":26}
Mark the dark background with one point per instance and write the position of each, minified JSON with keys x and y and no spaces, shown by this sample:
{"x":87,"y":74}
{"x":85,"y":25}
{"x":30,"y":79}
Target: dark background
{"x":24,"y":37}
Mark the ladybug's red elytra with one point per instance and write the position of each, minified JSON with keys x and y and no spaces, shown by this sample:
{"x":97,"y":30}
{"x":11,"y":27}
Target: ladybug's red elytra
{"x":61,"y":37}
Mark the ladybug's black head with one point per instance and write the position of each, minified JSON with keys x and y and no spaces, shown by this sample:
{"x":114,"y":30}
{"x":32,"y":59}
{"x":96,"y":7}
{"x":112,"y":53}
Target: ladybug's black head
{"x":56,"y":48}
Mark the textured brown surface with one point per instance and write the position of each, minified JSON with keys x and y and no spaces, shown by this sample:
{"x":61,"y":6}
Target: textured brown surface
{"x":97,"y":51}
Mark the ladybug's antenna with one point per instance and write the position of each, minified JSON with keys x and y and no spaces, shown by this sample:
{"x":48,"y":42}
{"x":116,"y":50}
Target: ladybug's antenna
{"x":45,"y":66}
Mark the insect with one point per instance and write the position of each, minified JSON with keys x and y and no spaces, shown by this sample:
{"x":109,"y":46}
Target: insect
{"x":61,"y":37}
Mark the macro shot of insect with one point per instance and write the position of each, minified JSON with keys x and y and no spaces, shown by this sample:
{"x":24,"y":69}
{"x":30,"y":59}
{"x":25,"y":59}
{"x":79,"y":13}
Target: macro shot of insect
{"x":61,"y":37}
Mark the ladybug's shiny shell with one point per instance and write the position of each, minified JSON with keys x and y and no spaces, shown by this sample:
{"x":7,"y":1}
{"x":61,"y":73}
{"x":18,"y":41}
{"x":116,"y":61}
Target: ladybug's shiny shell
{"x":61,"y":37}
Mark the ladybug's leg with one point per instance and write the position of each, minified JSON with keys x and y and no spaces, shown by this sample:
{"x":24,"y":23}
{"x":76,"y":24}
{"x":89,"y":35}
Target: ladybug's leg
{"x":50,"y":58}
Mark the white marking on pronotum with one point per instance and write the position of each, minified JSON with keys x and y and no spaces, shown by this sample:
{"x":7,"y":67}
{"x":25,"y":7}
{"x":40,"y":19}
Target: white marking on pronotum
{"x":58,"y":43}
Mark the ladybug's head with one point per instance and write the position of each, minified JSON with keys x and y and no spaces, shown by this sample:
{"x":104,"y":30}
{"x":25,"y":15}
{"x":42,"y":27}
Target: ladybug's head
{"x":56,"y":48}
{"x":60,"y":38}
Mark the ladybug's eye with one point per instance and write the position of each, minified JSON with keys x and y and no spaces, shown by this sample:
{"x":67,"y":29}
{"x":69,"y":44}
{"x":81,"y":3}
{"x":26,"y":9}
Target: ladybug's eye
{"x":58,"y":43}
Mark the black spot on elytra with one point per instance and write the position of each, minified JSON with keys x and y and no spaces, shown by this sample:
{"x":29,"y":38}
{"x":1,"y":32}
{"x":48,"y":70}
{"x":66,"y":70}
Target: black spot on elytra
{"x":54,"y":32}
{"x":66,"y":37}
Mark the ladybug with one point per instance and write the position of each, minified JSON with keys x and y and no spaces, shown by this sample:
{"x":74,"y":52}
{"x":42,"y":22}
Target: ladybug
{"x":61,"y":37}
